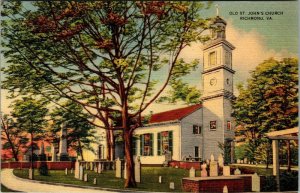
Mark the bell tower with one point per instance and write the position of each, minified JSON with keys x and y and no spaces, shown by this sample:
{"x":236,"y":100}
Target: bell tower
{"x":217,"y":79}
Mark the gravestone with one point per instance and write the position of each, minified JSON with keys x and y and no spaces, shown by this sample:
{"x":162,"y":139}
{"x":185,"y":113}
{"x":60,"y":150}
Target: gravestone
{"x":72,"y":171}
{"x":30,"y":174}
{"x":226,"y":171}
{"x":203,"y":170}
{"x":81,"y":172}
{"x":118,"y":168}
{"x":225,"y":189}
{"x":245,"y":160}
{"x":192,"y":172}
{"x":255,"y":183}
{"x":160,"y":179}
{"x":212,"y":157}
{"x":237,"y":172}
{"x":53,"y":153}
{"x":95,"y":181}
{"x":125,"y":172}
{"x":238,"y":161}
{"x":242,"y":161}
{"x":77,"y":169}
{"x":137,"y":169}
{"x":66,"y":171}
{"x":99,"y":171}
{"x":207,"y":161}
{"x":85,"y":177}
{"x":221,"y":161}
{"x":213,"y":169}
{"x":63,"y":148}
{"x":172,"y":185}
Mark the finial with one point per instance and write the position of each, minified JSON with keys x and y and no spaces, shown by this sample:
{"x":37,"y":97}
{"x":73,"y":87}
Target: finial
{"x":217,"y":8}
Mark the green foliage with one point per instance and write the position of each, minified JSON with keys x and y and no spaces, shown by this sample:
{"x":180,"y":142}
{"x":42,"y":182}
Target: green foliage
{"x":226,"y":149}
{"x":263,"y":152}
{"x":240,"y":151}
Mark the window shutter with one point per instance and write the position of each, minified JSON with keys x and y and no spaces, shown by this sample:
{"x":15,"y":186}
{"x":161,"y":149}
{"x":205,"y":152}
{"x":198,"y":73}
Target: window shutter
{"x":141,"y":145}
{"x":151,"y":144}
{"x":158,"y":143}
{"x":171,"y":141}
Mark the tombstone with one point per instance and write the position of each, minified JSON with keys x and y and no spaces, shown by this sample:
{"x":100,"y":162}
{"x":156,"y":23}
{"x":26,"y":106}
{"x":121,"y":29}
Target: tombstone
{"x":81,"y":172}
{"x":245,"y":160}
{"x":31,"y":173}
{"x":226,"y":171}
{"x":95,"y":181}
{"x":213,"y":169}
{"x":160,"y":179}
{"x":91,"y":166}
{"x":176,"y":167}
{"x":221,"y":161}
{"x":192,"y":172}
{"x":255,"y":183}
{"x":172,"y":185}
{"x":77,"y":169}
{"x":237,"y":172}
{"x":238,"y":161}
{"x":225,"y":189}
{"x":212,"y":157}
{"x":125,"y":172}
{"x":203,"y":170}
{"x":71,"y":170}
{"x":99,"y":170}
{"x":118,"y":168}
{"x":85,"y":177}
{"x":242,"y":161}
{"x":137,"y":169}
{"x":207,"y":161}
{"x":63,"y":151}
{"x":66,"y":171}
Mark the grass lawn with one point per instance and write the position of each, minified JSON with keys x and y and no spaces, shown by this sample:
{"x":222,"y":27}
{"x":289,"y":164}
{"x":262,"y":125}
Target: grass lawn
{"x":4,"y":189}
{"x":108,"y":180}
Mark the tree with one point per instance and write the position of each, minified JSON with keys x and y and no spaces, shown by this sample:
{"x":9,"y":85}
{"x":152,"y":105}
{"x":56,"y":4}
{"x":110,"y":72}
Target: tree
{"x":80,"y":133}
{"x":102,"y":55}
{"x":263,"y":152}
{"x":269,"y":101}
{"x":30,"y":116}
{"x":12,"y":137}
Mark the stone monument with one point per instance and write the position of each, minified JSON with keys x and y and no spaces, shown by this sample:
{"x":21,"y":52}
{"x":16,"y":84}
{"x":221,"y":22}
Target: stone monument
{"x":63,"y":152}
{"x":137,"y":169}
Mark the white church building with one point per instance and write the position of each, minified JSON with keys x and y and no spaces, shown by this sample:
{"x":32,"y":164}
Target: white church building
{"x":195,"y":131}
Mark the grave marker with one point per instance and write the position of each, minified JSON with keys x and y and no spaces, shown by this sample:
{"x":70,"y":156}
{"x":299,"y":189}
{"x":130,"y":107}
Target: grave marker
{"x":192,"y":172}
{"x":255,"y":183}
{"x":66,"y":171}
{"x":77,"y":169}
{"x":160,"y":179}
{"x":225,"y":189}
{"x":213,"y":169}
{"x":237,"y":172}
{"x":172,"y":185}
{"x":95,"y":181}
{"x":137,"y":169}
{"x":81,"y":172}
{"x":221,"y":161}
{"x":226,"y":171}
{"x":118,"y":168}
{"x":203,"y":170}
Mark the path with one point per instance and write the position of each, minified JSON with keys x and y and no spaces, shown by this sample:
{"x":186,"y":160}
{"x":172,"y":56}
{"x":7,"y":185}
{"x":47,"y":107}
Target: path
{"x":13,"y":182}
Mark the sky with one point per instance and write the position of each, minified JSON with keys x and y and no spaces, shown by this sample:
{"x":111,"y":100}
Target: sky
{"x":255,"y":40}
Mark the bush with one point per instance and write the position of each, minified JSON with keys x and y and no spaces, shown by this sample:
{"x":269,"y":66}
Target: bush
{"x":289,"y":181}
{"x":269,"y":184}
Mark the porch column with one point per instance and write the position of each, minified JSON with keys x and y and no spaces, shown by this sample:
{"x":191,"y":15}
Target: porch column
{"x":276,"y":163}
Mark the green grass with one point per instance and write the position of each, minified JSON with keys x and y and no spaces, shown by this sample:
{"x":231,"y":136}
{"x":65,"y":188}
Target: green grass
{"x":108,"y":180}
{"x":4,"y":189}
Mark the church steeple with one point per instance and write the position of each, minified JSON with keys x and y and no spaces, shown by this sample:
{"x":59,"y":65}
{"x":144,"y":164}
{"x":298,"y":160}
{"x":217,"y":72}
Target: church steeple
{"x":218,"y":28}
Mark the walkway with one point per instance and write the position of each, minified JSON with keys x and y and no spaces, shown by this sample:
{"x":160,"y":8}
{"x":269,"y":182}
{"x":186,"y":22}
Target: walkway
{"x":13,"y":182}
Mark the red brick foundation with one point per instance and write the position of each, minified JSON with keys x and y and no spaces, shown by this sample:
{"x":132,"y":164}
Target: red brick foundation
{"x":60,"y":165}
{"x":185,"y":165}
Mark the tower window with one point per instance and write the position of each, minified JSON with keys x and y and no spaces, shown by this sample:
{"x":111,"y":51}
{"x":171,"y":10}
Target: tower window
{"x":213,"y":125}
{"x":212,"y":58}
{"x":228,"y":58}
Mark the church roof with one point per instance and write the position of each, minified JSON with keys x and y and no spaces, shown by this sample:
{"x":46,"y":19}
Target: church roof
{"x":173,"y":115}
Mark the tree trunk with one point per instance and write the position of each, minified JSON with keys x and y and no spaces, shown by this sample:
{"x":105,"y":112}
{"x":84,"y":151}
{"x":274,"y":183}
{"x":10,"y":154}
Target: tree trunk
{"x":80,"y":148}
{"x":288,"y":155}
{"x":130,"y":178}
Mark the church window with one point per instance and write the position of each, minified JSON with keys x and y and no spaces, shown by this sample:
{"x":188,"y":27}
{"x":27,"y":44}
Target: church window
{"x":146,"y":144}
{"x":196,"y":129}
{"x":164,"y":142}
{"x":212,"y":58}
{"x":228,"y":125}
{"x":227,"y":58}
{"x":213,"y":125}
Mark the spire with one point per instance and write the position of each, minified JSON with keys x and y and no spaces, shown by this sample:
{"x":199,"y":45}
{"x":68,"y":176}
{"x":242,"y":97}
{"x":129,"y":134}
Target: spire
{"x":217,"y":9}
